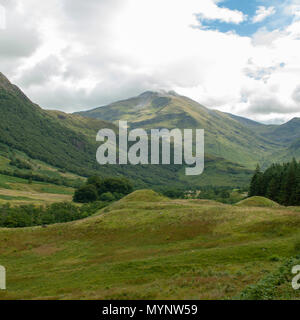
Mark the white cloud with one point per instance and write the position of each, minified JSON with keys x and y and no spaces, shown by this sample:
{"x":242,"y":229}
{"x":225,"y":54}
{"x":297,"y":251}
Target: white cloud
{"x":90,"y":53}
{"x":262,"y":13}
{"x":209,"y":10}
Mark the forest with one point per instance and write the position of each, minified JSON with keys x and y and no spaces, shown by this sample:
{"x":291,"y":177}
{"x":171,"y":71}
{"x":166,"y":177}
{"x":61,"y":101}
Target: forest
{"x":280,"y":183}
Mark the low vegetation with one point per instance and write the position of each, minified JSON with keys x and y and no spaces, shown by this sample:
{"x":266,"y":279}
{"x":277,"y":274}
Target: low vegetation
{"x":146,"y":246}
{"x":276,"y":285}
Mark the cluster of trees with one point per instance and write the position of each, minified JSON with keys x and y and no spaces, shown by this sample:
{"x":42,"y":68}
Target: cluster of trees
{"x":107,"y":189}
{"x":227,"y":195}
{"x":174,"y":193}
{"x":30,"y":215}
{"x":280,"y":183}
{"x":20,"y":164}
{"x":217,"y":193}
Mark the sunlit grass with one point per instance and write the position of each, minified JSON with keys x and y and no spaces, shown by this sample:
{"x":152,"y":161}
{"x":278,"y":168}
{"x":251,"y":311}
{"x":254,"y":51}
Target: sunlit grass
{"x":149,"y":247}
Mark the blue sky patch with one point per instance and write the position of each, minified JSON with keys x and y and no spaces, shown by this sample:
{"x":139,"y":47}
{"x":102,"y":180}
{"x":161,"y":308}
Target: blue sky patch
{"x":278,"y":20}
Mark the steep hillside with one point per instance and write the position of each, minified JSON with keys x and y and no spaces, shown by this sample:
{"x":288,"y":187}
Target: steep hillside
{"x":149,"y":247}
{"x":26,"y":127}
{"x":226,"y":136}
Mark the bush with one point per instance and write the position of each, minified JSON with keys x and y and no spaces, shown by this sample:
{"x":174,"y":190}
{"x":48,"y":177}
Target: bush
{"x":274,"y":258}
{"x":174,"y":194}
{"x":107,"y":196}
{"x":108,"y":189}
{"x":20,"y":164}
{"x":85,"y":194}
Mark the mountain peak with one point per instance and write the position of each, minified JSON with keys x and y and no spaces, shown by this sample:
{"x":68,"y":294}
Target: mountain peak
{"x":161,"y":92}
{"x":7,"y":86}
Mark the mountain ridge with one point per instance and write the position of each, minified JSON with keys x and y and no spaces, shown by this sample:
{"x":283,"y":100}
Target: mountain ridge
{"x":228,"y":136}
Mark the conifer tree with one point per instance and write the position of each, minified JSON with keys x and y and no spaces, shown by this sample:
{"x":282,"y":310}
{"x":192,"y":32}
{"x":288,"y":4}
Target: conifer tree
{"x":255,"y":185}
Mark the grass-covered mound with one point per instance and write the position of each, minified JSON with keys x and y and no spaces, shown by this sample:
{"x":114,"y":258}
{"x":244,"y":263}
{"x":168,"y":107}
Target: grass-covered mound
{"x":139,"y":249}
{"x":258,"y":202}
{"x":144,"y":196}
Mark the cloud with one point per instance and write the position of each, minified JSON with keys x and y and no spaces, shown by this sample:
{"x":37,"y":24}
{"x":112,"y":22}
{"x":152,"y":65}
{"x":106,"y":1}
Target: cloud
{"x":262,"y":13}
{"x":74,"y":55}
{"x":262,"y":73}
{"x":211,"y":11}
{"x":296,"y":94}
{"x":19,"y":39}
{"x":41,"y":73}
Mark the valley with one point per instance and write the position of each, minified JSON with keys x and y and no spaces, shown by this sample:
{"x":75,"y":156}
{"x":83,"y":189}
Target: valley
{"x":144,"y":246}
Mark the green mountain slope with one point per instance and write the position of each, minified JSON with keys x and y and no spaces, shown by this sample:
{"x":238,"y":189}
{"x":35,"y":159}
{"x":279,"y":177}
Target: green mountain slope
{"x":228,"y":137}
{"x":68,"y":142}
{"x":26,"y":127}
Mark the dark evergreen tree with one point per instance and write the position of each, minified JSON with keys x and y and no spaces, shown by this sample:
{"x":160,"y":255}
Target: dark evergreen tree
{"x":255,"y":186}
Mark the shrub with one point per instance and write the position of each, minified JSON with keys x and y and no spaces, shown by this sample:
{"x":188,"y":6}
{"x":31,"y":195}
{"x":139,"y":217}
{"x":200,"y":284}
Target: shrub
{"x":108,"y":189}
{"x":85,"y":194}
{"x":107,"y":196}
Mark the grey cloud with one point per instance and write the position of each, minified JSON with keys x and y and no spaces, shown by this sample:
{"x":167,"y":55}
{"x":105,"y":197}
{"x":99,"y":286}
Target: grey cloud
{"x":71,"y":99}
{"x":19,"y":39}
{"x":41,"y":73}
{"x":296,"y":94}
{"x":267,"y":105}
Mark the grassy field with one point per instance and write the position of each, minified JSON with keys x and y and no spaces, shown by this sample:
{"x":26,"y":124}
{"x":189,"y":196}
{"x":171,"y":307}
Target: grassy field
{"x":149,"y":247}
{"x":18,"y":191}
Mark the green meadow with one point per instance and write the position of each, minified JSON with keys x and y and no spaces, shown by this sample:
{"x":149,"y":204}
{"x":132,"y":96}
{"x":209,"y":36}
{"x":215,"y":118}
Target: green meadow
{"x":146,"y":246}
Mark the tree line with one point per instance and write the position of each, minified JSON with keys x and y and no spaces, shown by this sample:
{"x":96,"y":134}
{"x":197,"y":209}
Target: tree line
{"x":107,"y":189}
{"x":30,"y":215}
{"x":280,"y":183}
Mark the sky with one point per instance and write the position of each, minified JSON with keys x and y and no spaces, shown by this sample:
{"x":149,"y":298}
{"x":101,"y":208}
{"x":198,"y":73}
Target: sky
{"x":238,"y":56}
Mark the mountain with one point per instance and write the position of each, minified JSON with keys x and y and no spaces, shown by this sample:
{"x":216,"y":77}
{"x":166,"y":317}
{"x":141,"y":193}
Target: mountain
{"x":67,"y":142}
{"x":38,"y":133}
{"x":233,"y":138}
{"x":287,"y":133}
